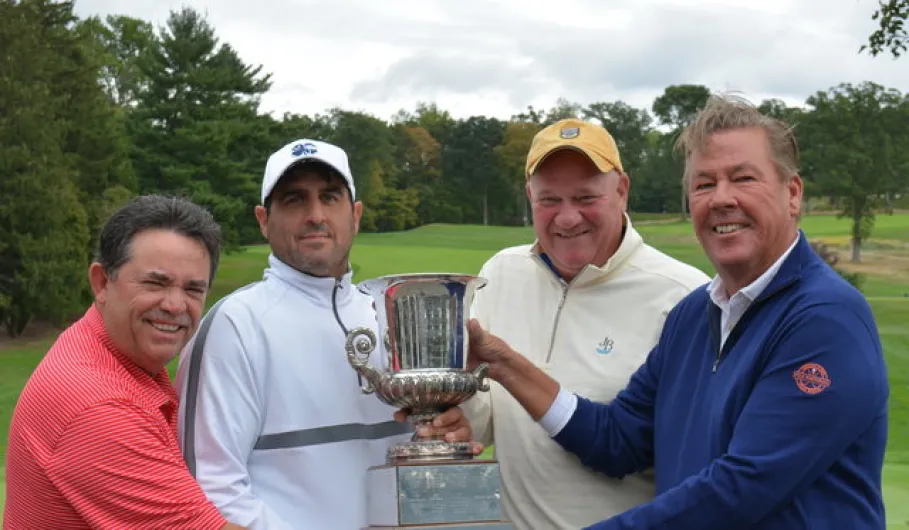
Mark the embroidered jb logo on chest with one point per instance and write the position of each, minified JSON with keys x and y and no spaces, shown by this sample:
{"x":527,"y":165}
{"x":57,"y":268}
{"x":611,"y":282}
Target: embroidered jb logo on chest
{"x":605,"y":346}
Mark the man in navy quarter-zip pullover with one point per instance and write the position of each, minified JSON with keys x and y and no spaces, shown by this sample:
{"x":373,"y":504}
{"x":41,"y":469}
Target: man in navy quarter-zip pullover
{"x":273,"y":423}
{"x":764,"y":403}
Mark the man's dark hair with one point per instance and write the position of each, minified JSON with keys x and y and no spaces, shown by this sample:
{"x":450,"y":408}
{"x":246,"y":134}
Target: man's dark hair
{"x":156,"y":212}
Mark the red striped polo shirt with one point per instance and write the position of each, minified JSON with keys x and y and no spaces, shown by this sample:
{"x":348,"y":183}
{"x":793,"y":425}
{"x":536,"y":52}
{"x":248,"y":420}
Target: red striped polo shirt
{"x":93,"y":444}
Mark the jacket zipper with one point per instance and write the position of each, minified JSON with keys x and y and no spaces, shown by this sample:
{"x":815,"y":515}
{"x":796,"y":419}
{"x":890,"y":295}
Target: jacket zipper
{"x":720,"y":347}
{"x":334,"y":309}
{"x":555,"y":323}
{"x":730,"y":340}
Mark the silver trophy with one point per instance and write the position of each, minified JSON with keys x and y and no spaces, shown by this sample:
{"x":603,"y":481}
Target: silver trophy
{"x":423,"y":322}
{"x":426,"y":482}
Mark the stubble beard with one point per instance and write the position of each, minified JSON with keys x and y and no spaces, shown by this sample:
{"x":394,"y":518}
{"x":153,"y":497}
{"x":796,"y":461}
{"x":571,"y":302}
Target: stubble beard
{"x":336,"y":260}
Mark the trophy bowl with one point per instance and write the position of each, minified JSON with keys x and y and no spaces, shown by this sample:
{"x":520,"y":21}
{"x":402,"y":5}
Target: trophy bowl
{"x":422,"y":319}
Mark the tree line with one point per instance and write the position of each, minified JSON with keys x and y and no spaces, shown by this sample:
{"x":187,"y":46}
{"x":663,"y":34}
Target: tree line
{"x":94,"y":111}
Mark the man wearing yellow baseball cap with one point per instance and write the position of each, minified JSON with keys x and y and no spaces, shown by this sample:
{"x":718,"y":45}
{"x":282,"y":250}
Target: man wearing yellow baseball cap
{"x":584,"y":137}
{"x":585,"y":302}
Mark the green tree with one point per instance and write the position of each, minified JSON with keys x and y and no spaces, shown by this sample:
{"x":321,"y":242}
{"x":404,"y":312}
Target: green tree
{"x":369,"y":143}
{"x":95,"y":139}
{"x":678,"y":105}
{"x":891,"y":34}
{"x":676,"y":108}
{"x":656,"y":186}
{"x":856,"y":147}
{"x":562,"y":110}
{"x":44,"y":236}
{"x":194,"y":121}
{"x":440,"y":201}
{"x":419,"y":161}
{"x":776,"y":108}
{"x":472,"y":172}
{"x":512,"y":155}
{"x":121,"y":45}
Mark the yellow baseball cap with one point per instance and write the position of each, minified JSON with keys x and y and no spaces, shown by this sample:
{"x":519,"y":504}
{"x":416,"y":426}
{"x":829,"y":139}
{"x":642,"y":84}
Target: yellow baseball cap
{"x":588,"y":138}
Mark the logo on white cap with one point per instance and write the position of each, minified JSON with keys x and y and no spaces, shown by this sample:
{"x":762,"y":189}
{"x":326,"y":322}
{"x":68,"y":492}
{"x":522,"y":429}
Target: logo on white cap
{"x":304,"y":149}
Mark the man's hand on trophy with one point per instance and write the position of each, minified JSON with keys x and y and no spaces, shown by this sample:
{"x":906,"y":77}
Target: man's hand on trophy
{"x":451,"y":426}
{"x":532,"y":387}
{"x":486,"y":348}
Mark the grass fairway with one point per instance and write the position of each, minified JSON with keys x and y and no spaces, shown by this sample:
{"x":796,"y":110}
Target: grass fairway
{"x":465,"y":248}
{"x":896,"y":495}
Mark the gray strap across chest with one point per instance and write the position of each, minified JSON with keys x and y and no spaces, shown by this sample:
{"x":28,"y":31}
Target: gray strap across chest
{"x":192,"y":388}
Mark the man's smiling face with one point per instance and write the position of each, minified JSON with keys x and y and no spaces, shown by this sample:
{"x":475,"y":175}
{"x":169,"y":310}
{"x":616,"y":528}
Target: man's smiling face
{"x":578,"y":212}
{"x":152,"y":304}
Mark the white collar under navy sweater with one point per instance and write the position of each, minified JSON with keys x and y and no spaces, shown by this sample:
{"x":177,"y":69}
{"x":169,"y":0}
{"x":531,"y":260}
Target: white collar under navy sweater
{"x":733,"y":308}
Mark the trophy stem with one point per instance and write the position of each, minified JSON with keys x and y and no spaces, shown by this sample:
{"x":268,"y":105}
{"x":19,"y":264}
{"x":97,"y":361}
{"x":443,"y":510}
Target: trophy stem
{"x":427,"y":448}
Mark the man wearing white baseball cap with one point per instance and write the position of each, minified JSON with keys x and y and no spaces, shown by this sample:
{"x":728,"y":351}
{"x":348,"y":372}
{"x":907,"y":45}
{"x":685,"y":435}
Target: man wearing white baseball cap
{"x":302,"y":151}
{"x":273,"y":423}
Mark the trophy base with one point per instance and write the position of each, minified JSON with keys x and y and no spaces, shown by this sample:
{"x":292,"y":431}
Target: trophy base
{"x":440,"y":495}
{"x":428,"y":450}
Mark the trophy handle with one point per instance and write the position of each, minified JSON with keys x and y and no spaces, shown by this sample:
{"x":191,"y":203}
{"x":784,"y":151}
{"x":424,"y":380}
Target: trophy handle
{"x":482,"y":374}
{"x":362,"y":341}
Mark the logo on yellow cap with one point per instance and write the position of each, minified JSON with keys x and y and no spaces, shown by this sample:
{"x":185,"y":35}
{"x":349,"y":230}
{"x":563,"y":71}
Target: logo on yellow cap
{"x":570,"y":132}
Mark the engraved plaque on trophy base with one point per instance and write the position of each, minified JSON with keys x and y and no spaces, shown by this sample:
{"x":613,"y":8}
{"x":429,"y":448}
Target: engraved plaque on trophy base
{"x":442,"y":495}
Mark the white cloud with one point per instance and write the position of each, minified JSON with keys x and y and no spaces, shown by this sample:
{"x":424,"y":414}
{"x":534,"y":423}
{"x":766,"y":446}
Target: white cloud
{"x":496,"y":58}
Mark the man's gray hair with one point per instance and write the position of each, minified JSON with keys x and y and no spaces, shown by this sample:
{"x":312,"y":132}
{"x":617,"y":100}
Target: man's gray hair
{"x":727,"y":112}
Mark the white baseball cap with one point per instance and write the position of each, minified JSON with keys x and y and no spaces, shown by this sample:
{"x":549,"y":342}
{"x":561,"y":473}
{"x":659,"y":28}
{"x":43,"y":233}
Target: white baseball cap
{"x":305,"y":149}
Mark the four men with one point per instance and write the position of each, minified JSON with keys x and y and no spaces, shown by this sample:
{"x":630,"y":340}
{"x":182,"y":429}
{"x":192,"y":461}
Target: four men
{"x":762,"y":402}
{"x":592,"y":297}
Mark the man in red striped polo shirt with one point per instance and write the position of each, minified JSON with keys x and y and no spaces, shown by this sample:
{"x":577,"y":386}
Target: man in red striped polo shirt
{"x":93,"y":439}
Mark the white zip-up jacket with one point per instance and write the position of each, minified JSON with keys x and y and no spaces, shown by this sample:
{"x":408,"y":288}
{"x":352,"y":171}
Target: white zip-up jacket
{"x":273,"y":423}
{"x":590,"y":336}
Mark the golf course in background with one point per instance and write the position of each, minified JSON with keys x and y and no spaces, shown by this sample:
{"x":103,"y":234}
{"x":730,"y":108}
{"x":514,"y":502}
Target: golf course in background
{"x":457,"y":248}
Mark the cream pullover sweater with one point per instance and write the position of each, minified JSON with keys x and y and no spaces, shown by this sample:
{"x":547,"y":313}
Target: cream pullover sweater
{"x":590,"y":335}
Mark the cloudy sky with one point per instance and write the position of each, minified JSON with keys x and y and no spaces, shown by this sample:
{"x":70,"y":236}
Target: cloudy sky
{"x":496,"y":57}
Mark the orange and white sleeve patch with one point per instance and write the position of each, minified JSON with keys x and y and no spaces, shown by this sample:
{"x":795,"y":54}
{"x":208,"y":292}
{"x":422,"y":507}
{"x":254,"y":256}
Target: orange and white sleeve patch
{"x":811,"y":378}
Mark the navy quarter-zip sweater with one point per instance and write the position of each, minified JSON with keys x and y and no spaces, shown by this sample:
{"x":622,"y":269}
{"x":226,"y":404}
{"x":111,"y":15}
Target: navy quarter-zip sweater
{"x":784,"y":428}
